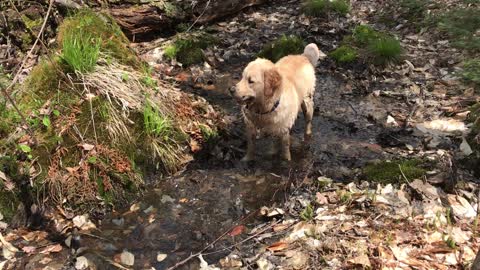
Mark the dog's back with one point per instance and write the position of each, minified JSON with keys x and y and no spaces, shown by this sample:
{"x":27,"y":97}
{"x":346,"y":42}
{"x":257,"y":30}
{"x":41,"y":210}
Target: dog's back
{"x":299,"y":69}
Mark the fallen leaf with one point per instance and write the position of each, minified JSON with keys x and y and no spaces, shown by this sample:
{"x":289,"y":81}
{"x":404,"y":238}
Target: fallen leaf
{"x":237,"y":230}
{"x":87,"y":147}
{"x":362,"y":260}
{"x":51,"y":249}
{"x":278,"y":246}
{"x":161,"y":257}
{"x":204,"y":265}
{"x":29,"y":249}
{"x":183,"y":200}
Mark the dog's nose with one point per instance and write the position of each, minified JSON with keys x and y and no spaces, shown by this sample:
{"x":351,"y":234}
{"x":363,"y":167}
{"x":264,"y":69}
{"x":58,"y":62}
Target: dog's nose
{"x":248,"y":99}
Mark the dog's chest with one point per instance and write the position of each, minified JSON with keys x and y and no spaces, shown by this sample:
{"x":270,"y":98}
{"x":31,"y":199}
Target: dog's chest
{"x":275,"y":123}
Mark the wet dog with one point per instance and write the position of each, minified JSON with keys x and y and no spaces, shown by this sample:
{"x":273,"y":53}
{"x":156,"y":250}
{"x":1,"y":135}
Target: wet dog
{"x":272,"y":94}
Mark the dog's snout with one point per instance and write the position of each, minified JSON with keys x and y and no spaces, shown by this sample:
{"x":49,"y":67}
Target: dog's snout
{"x":248,"y":99}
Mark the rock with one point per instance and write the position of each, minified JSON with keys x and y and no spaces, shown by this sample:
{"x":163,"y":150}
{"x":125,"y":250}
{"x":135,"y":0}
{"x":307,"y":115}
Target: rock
{"x":127,"y":258}
{"x":81,"y":263}
{"x":118,"y":221}
{"x":161,"y":257}
{"x":166,"y":199}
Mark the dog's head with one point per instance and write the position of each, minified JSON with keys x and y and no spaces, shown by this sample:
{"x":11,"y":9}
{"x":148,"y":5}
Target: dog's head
{"x":260,"y":81}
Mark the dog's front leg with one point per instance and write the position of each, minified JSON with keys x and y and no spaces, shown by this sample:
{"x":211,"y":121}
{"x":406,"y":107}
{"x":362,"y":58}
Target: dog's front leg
{"x":285,"y":138}
{"x":251,"y":136}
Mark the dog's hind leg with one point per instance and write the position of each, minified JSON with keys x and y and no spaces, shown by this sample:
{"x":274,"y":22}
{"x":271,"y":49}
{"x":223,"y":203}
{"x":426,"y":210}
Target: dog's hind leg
{"x":307,"y":108}
{"x":286,"y":146}
{"x":251,"y":136}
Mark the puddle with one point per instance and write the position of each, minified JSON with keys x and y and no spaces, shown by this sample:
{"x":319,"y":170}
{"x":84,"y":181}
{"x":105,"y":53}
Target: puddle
{"x":184,"y":213}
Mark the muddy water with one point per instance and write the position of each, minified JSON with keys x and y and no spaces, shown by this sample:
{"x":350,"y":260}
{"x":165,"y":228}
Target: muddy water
{"x":185,"y":212}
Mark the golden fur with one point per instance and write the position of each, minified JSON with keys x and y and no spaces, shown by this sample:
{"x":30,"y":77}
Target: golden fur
{"x":272,"y":94}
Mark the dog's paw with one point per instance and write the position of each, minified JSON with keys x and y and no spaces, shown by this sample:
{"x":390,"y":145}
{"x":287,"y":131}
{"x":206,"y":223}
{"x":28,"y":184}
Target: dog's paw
{"x":247,"y":158}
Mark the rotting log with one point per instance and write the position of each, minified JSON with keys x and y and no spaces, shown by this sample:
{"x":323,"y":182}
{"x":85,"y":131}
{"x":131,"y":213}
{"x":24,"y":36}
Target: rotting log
{"x":142,"y":21}
{"x":218,"y":9}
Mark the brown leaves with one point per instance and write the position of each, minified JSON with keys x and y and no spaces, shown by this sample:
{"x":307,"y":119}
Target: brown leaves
{"x":237,"y":230}
{"x":278,"y":246}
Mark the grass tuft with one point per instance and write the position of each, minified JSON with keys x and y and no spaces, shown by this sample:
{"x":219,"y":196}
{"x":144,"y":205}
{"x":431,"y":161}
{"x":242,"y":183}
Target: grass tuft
{"x":462,"y":25}
{"x":319,"y":8}
{"x":385,"y":50}
{"x":344,"y":54}
{"x":281,"y":47}
{"x":80,"y":50}
{"x":471,"y":72}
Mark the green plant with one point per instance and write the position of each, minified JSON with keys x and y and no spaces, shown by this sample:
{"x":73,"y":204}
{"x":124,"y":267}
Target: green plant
{"x":281,"y":47}
{"x":461,"y":25}
{"x":80,"y":50}
{"x":364,"y":34}
{"x":385,"y":50}
{"x":414,"y":9}
{"x":156,"y":124}
{"x":307,"y":213}
{"x":344,"y":54}
{"x":320,"y":7}
{"x":471,"y":71}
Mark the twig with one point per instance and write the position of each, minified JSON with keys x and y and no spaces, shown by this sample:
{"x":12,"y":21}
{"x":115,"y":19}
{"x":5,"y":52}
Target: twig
{"x":199,"y":16}
{"x":180,"y":263}
{"x":406,"y":179}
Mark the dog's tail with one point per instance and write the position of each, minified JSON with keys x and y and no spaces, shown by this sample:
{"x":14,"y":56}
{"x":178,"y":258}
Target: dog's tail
{"x":313,"y":54}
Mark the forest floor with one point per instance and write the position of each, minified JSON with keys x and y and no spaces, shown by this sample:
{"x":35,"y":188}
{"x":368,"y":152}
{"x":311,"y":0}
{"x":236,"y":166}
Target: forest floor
{"x":324,"y":210}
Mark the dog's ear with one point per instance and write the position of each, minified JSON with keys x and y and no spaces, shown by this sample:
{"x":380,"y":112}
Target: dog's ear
{"x":272,"y":81}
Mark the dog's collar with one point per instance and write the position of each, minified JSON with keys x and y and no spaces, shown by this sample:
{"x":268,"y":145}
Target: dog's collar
{"x":275,"y":106}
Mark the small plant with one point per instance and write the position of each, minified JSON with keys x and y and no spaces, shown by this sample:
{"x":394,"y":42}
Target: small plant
{"x":155,"y":124}
{"x":209,"y":134}
{"x":364,"y":34}
{"x":307,"y":213}
{"x":345,"y":196}
{"x":471,"y":72}
{"x":462,"y":25}
{"x":385,"y":50}
{"x":344,"y":54}
{"x":189,"y":50}
{"x":281,"y":47}
{"x":414,"y":9}
{"x":319,"y":8}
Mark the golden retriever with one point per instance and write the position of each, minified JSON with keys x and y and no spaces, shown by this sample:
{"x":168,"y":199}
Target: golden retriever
{"x":272,"y":95}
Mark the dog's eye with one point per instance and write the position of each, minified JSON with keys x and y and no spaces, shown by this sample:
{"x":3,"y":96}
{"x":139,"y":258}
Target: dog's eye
{"x":250,"y":81}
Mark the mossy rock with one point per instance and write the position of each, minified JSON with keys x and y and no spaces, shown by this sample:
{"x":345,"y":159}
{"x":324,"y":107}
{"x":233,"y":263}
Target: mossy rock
{"x":188,"y":48}
{"x":391,"y":172}
{"x":283,"y":46}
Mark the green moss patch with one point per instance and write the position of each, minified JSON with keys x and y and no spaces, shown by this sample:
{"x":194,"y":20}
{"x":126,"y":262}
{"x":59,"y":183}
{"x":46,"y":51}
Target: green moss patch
{"x":321,"y":7}
{"x":188,"y":49}
{"x":391,"y":172}
{"x":281,"y":47}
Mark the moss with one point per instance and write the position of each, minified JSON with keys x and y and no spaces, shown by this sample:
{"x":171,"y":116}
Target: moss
{"x":31,"y":24}
{"x":8,"y":204}
{"x":321,"y":7}
{"x":99,"y":27}
{"x":188,"y":49}
{"x":281,"y":47}
{"x":389,"y":172}
{"x":344,"y":54}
